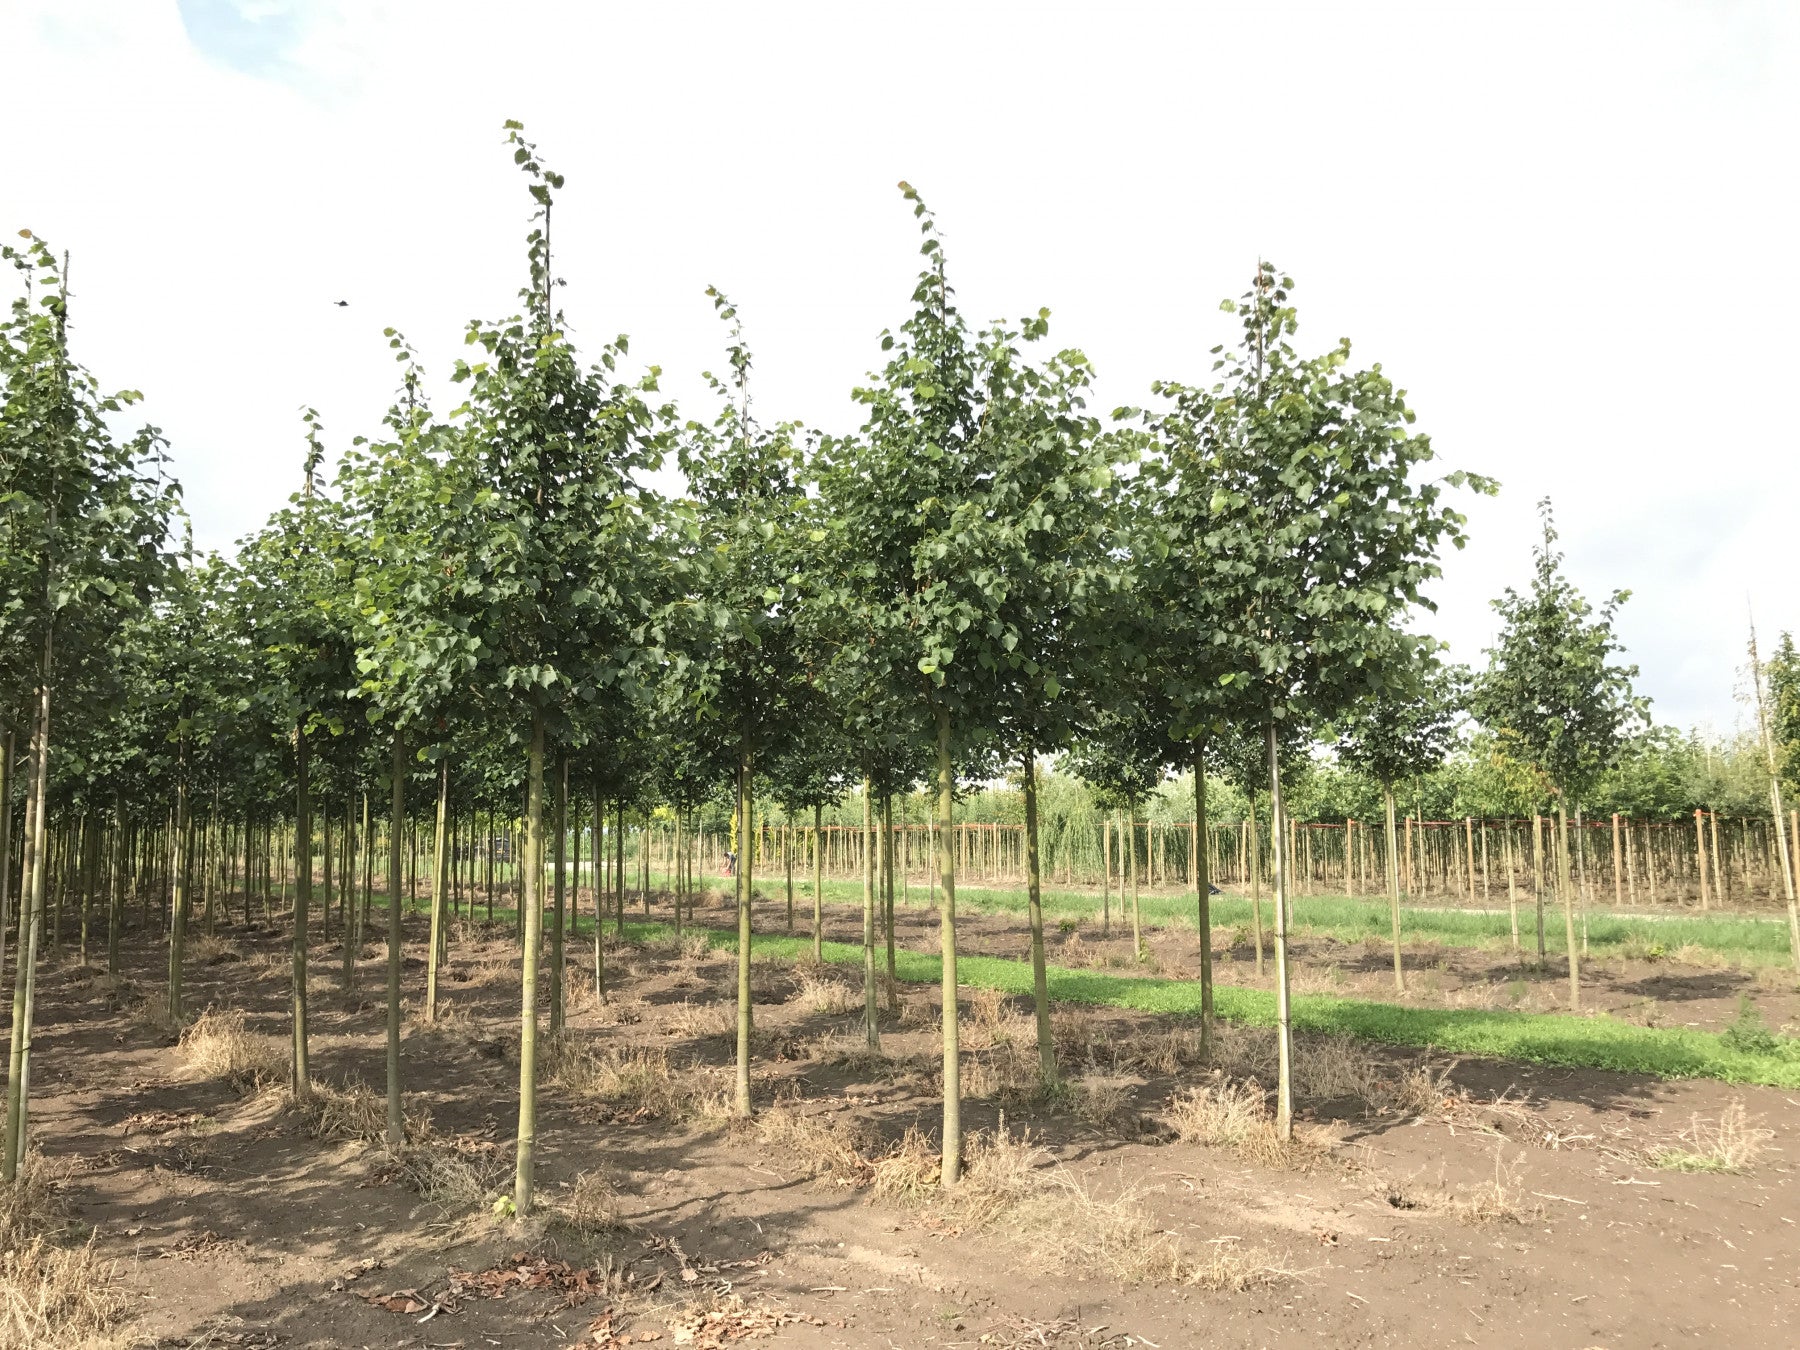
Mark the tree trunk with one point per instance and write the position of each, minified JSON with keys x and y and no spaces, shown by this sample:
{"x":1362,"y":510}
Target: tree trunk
{"x":599,"y":905}
{"x":1040,"y":980}
{"x":1512,"y":890}
{"x":1254,"y":857}
{"x":1129,"y":835}
{"x":31,"y":931}
{"x":184,"y":843}
{"x":952,"y":1163}
{"x":871,"y":1004}
{"x":887,"y":899}
{"x":787,"y":858}
{"x":818,"y":895}
{"x":352,"y":911}
{"x":115,"y":896}
{"x":1568,"y":899}
{"x":440,"y":861}
{"x":396,"y":1119}
{"x":299,"y":1069}
{"x":531,"y":900}
{"x":746,"y":854}
{"x":560,"y":864}
{"x":1393,"y":870}
{"x":1203,"y":902}
{"x":1284,"y":1102}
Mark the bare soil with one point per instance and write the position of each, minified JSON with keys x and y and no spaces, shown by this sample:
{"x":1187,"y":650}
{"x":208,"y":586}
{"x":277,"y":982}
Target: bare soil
{"x":1509,"y":1206}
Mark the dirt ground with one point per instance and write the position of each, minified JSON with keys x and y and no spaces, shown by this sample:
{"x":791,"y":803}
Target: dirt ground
{"x":1466,"y":1203}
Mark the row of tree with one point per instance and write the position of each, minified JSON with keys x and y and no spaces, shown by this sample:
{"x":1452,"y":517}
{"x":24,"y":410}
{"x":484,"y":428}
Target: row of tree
{"x":486,"y":611}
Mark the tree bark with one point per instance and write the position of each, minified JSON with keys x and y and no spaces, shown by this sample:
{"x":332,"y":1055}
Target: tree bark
{"x":1563,"y":881}
{"x":1393,"y":871}
{"x":396,"y":1120}
{"x":746,"y":853}
{"x":818,"y":895}
{"x":1040,"y":980}
{"x":559,"y":863}
{"x":31,"y":930}
{"x":1203,"y":902}
{"x":946,"y":796}
{"x":531,"y":900}
{"x":440,"y":861}
{"x":1284,"y":1088}
{"x":300,"y":1070}
{"x":871,"y":997}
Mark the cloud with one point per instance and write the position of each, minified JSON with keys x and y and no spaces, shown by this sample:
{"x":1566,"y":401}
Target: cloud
{"x":254,"y":37}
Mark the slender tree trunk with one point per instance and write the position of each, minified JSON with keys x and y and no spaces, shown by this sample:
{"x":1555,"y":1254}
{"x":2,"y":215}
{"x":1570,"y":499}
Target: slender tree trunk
{"x":1129,"y":835}
{"x":871,"y":1005}
{"x":746,"y":855}
{"x":1255,"y":864}
{"x":532,"y":877}
{"x":818,"y":895}
{"x":1512,"y":890}
{"x":946,"y":797}
{"x":440,"y":862}
{"x":357,"y":894}
{"x":1105,"y":876}
{"x":1040,"y":979}
{"x":1203,"y":902}
{"x":115,"y":898}
{"x":396,"y":1118}
{"x":887,"y":899}
{"x":6,"y":771}
{"x":184,"y":843}
{"x":560,"y":863}
{"x":1537,"y":885}
{"x":299,"y":1068}
{"x":1393,"y":870}
{"x":1284,"y":1103}
{"x":787,"y":856}
{"x":619,"y":868}
{"x":31,"y":929}
{"x":1568,"y":899}
{"x":599,"y":853}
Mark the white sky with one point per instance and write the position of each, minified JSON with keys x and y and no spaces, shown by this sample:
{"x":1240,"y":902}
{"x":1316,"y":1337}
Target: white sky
{"x":1568,"y":230}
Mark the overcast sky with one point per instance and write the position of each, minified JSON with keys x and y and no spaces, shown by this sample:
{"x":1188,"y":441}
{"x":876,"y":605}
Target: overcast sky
{"x":1567,"y":230}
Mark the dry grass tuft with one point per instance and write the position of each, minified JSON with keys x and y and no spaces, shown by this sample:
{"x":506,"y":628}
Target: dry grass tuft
{"x":460,"y":1172}
{"x":213,"y":951}
{"x":818,"y":991}
{"x":354,"y":1113}
{"x":833,"y":1145}
{"x":908,"y":1173}
{"x":699,"y":1021}
{"x":1728,"y":1144}
{"x":593,"y":1205}
{"x":50,"y":1296}
{"x":636,"y":1083}
{"x":1224,"y":1114}
{"x":1099,"y":1104}
{"x":218,"y":1044}
{"x":1233,"y":1269}
{"x":53,"y":1297}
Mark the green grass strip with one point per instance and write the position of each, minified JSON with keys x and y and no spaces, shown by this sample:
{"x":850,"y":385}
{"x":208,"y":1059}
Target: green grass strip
{"x":1749,"y":941}
{"x":1595,"y":1042}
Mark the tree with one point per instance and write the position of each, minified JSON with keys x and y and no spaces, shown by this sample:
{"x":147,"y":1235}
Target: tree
{"x":1552,"y":688}
{"x":556,"y":538}
{"x":1317,"y":537}
{"x":743,"y":597}
{"x":918,"y":598}
{"x":84,"y":550}
{"x":1051,"y":536}
{"x":1783,"y":845}
{"x":1402,"y":731}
